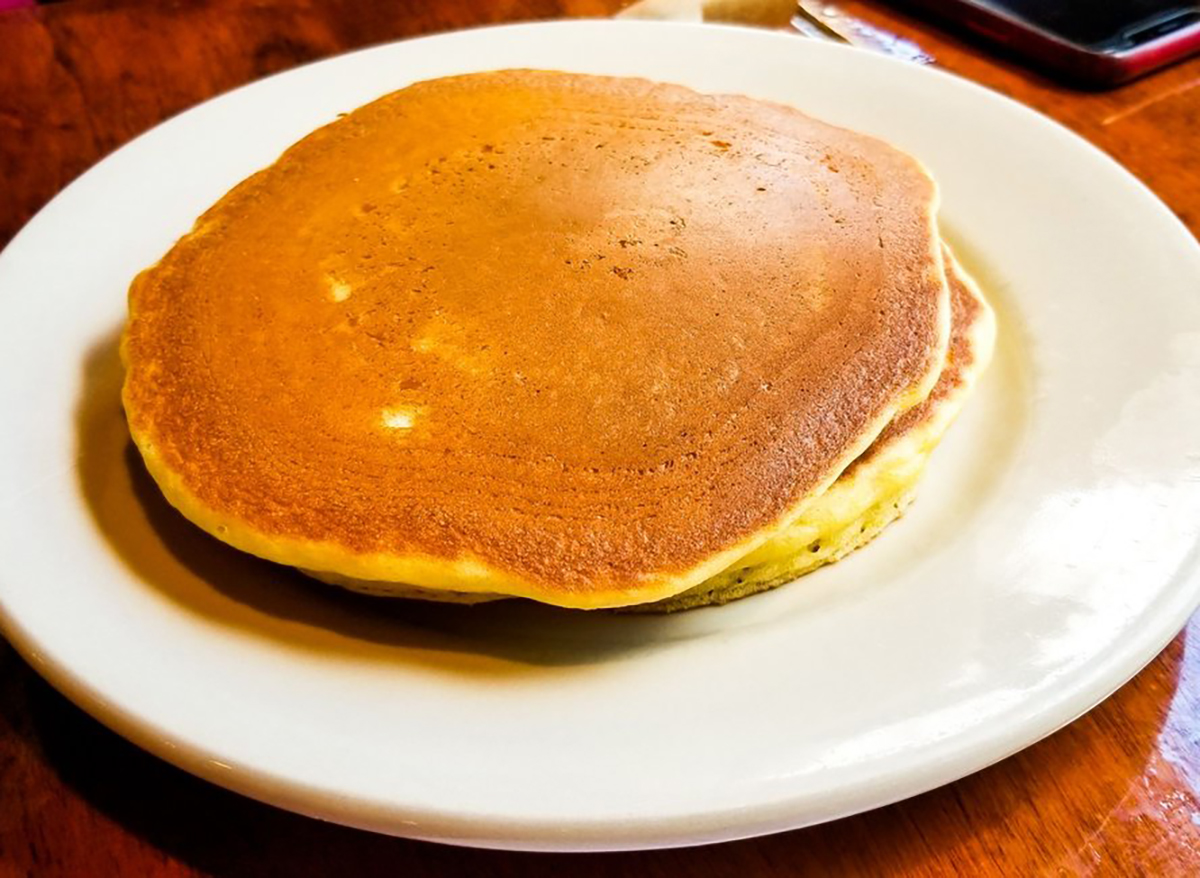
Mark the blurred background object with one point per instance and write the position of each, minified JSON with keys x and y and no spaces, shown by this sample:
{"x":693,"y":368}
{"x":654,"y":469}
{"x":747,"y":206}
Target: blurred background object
{"x":822,"y":21}
{"x":1080,"y":41}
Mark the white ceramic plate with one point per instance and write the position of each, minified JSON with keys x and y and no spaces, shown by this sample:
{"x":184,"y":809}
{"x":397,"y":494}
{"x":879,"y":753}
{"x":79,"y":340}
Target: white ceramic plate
{"x":1051,"y":553}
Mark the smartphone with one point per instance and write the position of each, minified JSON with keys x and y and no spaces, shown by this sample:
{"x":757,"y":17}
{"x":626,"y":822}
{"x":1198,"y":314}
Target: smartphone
{"x":1091,"y":42}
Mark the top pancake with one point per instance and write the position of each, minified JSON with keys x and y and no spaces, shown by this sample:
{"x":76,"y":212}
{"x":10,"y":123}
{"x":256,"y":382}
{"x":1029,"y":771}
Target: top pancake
{"x":574,"y":338}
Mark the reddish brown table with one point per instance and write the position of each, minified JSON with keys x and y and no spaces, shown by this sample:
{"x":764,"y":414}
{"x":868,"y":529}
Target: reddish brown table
{"x":1116,"y":793}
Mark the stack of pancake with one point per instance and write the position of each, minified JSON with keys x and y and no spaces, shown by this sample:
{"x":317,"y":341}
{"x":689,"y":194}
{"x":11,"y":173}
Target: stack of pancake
{"x":592,"y":341}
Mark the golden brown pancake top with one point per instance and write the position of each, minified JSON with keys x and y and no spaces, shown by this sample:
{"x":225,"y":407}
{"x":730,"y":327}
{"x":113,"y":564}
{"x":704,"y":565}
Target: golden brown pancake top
{"x":584,"y":329}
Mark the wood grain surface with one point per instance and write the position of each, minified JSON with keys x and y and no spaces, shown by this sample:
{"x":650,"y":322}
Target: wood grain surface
{"x":1115,"y":793}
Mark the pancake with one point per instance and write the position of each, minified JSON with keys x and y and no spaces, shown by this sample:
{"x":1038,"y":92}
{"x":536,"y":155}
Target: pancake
{"x":578,"y":339}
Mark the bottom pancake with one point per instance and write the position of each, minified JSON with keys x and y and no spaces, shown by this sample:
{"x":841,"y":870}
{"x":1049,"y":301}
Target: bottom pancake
{"x":740,"y":582}
{"x":873,"y":491}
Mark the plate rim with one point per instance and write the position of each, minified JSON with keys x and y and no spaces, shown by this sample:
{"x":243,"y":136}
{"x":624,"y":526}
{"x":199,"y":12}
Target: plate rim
{"x":1093,"y":687}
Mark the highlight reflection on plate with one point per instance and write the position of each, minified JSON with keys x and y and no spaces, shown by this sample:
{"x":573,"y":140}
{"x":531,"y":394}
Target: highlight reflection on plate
{"x":1050,"y":553}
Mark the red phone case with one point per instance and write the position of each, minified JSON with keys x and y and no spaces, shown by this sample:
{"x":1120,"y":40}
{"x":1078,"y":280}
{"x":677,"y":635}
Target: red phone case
{"x":1070,"y":60}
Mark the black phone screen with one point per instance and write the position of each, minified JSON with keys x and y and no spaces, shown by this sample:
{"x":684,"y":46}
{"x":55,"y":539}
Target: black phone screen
{"x":1101,"y":24}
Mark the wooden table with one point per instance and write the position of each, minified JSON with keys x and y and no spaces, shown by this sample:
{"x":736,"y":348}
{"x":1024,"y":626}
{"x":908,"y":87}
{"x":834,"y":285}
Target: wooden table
{"x":1116,"y":793}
